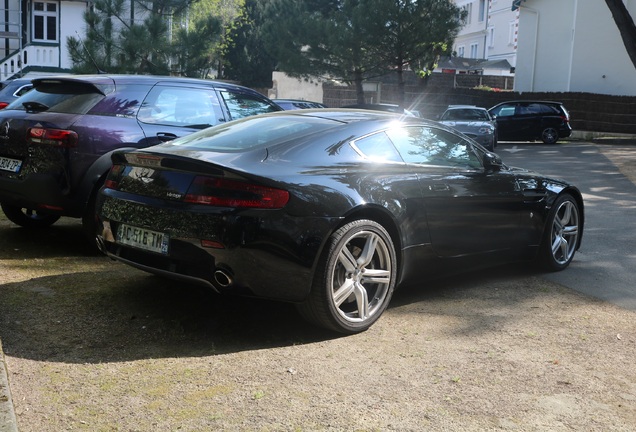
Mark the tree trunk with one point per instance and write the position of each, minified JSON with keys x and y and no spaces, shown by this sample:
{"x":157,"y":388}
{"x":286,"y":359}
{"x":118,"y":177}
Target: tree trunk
{"x":625,"y":25}
{"x":357,"y":79}
{"x":401,"y":85}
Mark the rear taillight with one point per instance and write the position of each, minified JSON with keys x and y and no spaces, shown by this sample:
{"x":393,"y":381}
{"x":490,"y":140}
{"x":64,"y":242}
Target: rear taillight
{"x":3,"y":105}
{"x":232,"y":193}
{"x":112,"y":181}
{"x":53,"y":137}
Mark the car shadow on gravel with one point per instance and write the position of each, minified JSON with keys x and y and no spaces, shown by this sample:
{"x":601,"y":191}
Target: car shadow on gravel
{"x":124,"y":314}
{"x":63,"y":239}
{"x":60,"y":304}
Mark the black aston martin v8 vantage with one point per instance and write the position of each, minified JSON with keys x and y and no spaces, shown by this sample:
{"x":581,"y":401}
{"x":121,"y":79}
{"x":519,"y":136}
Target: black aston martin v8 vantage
{"x":329,"y":209}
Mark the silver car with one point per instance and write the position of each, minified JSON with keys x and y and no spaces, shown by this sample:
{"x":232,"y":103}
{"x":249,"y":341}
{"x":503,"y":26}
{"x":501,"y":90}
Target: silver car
{"x":472,"y":121}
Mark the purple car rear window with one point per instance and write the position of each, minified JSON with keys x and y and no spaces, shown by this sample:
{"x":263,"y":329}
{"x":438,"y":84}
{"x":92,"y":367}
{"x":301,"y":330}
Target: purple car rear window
{"x":71,"y":98}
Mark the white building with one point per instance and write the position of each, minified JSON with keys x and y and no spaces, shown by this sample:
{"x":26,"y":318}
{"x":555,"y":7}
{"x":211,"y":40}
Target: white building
{"x":490,"y":31}
{"x":33,"y":35}
{"x":572,"y":46}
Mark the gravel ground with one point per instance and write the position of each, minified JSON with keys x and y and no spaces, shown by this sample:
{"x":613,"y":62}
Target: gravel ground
{"x":94,"y":345}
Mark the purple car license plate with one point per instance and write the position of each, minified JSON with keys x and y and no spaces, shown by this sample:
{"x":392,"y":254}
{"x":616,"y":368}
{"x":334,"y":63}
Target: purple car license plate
{"x":12,"y":165}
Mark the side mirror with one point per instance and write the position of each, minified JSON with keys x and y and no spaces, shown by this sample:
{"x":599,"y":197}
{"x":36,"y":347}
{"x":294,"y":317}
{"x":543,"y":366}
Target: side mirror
{"x":492,"y":162}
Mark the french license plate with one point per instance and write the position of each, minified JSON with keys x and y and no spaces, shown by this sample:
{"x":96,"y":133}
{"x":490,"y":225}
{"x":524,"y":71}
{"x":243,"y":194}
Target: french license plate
{"x":143,"y":238}
{"x":12,"y":165}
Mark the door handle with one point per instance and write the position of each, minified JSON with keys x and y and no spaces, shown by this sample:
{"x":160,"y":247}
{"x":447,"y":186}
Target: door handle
{"x":439,"y":187}
{"x":165,"y":136}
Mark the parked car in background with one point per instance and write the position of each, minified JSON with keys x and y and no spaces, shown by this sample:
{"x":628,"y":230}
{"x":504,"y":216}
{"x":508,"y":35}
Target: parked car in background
{"x":293,"y":104}
{"x":531,"y":120}
{"x":384,"y":107}
{"x":472,"y":121}
{"x":12,"y":89}
{"x":56,"y":140}
{"x":330,"y":209}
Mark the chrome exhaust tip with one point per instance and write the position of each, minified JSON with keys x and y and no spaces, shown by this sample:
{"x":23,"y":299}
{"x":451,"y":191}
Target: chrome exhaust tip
{"x":99,"y":241}
{"x":222,"y":278}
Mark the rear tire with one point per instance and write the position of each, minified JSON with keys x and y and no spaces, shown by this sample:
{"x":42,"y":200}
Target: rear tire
{"x":28,"y":218}
{"x":355,"y":279}
{"x":89,"y":219}
{"x":550,"y":135}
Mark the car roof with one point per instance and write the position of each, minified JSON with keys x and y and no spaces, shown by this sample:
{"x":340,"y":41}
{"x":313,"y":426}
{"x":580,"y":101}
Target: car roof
{"x":453,"y":107}
{"x":105,"y":79}
{"x":15,"y":82}
{"x":377,"y":107}
{"x":294,"y":100}
{"x":464,"y":106}
{"x":349,"y":115}
{"x":529,"y":101}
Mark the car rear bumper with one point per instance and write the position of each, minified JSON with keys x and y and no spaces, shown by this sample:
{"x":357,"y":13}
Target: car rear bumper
{"x":565,"y":131}
{"x":39,"y":192}
{"x":263,"y":254}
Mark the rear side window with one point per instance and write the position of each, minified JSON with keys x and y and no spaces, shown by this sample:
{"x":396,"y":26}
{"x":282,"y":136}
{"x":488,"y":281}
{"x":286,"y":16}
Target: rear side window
{"x":432,"y":146}
{"x":59,"y":97}
{"x":242,"y":105}
{"x":125,"y":102}
{"x":378,"y":147}
{"x":504,"y":111}
{"x":22,"y":90}
{"x":537,"y":109}
{"x":181,"y":106}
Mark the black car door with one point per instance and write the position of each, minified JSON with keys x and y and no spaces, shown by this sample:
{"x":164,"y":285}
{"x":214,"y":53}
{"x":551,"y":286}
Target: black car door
{"x":470,"y":210}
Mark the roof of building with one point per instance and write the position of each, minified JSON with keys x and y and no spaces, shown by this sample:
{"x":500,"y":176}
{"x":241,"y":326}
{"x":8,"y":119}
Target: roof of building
{"x":469,"y":64}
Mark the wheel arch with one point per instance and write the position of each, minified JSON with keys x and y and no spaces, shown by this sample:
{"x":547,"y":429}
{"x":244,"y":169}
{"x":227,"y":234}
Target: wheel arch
{"x":382,"y":216}
{"x":95,"y":175}
{"x":578,"y":196}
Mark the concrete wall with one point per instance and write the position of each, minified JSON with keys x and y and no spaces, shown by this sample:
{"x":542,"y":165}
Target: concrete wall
{"x":286,"y":87}
{"x":71,"y":21}
{"x":572,"y":45}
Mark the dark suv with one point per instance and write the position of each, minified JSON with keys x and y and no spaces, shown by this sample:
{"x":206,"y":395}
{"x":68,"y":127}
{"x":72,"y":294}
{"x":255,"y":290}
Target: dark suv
{"x":56,"y":140}
{"x":531,"y":120}
{"x":13,"y":89}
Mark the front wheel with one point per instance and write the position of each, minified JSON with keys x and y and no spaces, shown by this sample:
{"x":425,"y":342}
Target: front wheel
{"x":562,"y":234}
{"x":28,"y":218}
{"x":549,"y":135}
{"x":355,"y":279}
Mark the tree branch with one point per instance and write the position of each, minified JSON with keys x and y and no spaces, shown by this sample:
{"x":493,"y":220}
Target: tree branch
{"x":625,"y":25}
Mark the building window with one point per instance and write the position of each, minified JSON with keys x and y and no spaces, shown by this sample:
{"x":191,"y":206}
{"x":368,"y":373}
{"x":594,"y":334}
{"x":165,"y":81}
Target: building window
{"x":460,"y":51}
{"x":491,"y":37}
{"x":512,"y":27}
{"x":469,"y":12}
{"x":473,"y":50}
{"x":482,"y":10}
{"x":44,"y":21}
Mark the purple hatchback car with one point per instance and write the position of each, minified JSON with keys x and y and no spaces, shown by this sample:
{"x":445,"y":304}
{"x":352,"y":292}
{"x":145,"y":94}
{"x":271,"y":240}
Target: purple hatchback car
{"x":56,"y":140}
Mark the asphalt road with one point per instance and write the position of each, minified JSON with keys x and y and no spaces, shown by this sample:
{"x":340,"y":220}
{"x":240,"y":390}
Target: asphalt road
{"x":605,"y":265}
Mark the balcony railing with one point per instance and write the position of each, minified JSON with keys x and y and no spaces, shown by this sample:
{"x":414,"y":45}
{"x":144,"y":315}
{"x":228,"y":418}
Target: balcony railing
{"x":45,"y":56}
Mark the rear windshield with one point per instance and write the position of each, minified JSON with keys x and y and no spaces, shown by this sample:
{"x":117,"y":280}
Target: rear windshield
{"x":253,"y":132}
{"x":67,"y":97}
